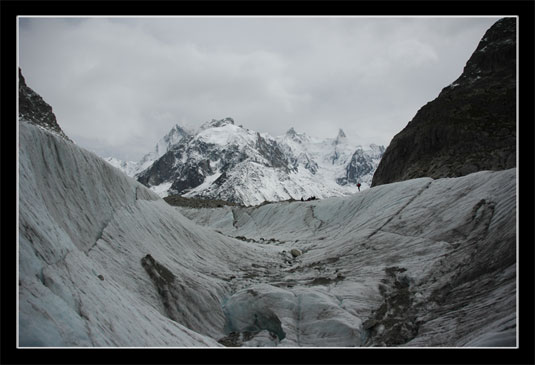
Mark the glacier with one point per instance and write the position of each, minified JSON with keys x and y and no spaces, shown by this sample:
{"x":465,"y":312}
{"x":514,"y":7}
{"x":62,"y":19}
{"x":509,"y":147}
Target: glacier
{"x":105,"y":262}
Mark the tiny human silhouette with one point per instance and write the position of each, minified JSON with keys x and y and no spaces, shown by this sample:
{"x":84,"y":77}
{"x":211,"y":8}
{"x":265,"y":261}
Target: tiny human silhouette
{"x":358,"y":186}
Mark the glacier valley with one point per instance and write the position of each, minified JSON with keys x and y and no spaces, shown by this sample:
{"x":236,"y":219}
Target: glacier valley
{"x":105,"y":262}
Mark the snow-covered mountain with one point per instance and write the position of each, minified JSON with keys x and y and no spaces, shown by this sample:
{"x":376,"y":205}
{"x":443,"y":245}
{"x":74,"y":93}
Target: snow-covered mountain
{"x":132,"y":168}
{"x":332,"y":159}
{"x":104,"y":261}
{"x":174,"y":136}
{"x":224,"y":161}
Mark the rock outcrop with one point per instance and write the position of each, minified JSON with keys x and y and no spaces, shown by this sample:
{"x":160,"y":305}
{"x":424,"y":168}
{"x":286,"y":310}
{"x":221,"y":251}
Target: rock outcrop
{"x":34,"y":109}
{"x":470,"y":126}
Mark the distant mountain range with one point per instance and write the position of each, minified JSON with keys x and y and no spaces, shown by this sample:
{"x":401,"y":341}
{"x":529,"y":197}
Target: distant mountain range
{"x":224,"y":161}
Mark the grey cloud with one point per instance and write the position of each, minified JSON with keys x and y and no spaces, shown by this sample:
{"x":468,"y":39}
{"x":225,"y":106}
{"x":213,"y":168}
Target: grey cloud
{"x":118,"y":84}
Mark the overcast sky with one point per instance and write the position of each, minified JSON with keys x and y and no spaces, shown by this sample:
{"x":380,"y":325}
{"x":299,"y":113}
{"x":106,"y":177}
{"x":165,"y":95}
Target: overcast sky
{"x":117,"y":85}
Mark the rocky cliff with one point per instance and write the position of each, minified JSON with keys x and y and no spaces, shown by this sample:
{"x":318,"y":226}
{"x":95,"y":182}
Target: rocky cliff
{"x":470,"y":126}
{"x":34,"y":109}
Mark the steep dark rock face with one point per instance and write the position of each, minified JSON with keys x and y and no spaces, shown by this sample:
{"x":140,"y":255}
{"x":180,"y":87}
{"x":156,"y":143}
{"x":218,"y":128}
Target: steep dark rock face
{"x":161,"y":169}
{"x":470,"y":126}
{"x":34,"y":109}
{"x":360,"y":165}
{"x":271,"y":151}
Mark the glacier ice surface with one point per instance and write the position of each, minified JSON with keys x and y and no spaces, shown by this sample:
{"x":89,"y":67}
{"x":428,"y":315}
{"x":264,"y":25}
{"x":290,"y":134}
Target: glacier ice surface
{"x":417,"y":263}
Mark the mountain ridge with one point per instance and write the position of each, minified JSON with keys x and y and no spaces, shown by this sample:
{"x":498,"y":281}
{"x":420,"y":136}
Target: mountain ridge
{"x":33,"y":108}
{"x":223,"y":161}
{"x":470,"y":126}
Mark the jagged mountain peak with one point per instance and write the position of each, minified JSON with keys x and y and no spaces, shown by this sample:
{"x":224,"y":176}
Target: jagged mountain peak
{"x":340,"y":137}
{"x":225,"y":134}
{"x":376,"y":150}
{"x":229,"y":162}
{"x":216,"y":123}
{"x":495,"y":53}
{"x":177,"y":128}
{"x":293,"y":135}
{"x":291,"y":132}
{"x":174,"y":136}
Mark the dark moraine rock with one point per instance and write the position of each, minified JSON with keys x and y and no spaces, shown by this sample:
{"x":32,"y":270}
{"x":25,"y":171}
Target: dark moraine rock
{"x":470,"y":126}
